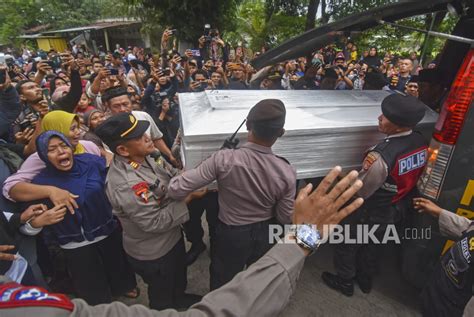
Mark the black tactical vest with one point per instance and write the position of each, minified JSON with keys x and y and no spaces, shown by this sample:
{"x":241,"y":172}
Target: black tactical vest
{"x":405,"y":157}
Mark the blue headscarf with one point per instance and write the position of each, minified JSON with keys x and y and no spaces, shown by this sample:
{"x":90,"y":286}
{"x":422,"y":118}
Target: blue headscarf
{"x":42,"y":142}
{"x":86,"y":179}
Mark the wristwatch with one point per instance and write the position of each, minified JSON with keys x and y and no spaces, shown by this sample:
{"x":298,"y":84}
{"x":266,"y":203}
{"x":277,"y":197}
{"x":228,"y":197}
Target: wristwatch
{"x":308,"y":237}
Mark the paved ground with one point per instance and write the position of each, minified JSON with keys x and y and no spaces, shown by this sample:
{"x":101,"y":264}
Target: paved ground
{"x":391,"y":296}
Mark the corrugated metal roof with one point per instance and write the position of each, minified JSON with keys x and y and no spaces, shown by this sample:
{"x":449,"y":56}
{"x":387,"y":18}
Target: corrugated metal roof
{"x":95,"y":26}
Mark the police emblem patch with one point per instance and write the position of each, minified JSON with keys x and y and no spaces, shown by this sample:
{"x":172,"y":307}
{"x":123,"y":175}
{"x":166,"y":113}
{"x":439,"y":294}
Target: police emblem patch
{"x":369,"y":160}
{"x":142,"y":191}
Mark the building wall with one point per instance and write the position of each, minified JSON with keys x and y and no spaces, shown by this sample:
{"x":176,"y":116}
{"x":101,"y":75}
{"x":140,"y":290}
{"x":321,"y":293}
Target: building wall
{"x":57,"y":43}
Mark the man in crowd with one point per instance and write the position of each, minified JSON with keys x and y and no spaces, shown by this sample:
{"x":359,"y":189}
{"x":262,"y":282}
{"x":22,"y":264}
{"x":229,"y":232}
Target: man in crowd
{"x":237,"y":81}
{"x":389,"y":174}
{"x":118,"y":101}
{"x":411,"y":88}
{"x":399,"y":81}
{"x":263,"y":196}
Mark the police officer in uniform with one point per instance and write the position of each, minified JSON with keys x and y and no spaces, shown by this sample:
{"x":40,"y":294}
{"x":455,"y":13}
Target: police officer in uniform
{"x":137,"y":186}
{"x":390,"y":171}
{"x":256,"y":189}
{"x":449,"y":292}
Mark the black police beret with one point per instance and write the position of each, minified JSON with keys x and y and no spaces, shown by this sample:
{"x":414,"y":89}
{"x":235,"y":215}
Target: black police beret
{"x":269,"y":113}
{"x":121,"y":127}
{"x":403,"y":110}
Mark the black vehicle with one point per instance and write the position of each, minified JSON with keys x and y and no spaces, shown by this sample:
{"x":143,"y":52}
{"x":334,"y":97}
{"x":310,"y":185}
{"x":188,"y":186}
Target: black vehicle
{"x":448,"y":178}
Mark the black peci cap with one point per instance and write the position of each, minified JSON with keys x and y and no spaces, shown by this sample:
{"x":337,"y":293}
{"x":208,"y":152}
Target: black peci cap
{"x":403,"y":110}
{"x":121,"y":127}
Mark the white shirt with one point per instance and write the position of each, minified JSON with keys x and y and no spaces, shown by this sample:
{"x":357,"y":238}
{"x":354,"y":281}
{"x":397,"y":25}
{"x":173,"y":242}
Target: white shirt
{"x":152,"y":130}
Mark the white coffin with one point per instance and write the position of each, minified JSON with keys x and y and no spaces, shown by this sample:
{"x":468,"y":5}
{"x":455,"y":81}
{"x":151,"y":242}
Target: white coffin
{"x":323,"y":128}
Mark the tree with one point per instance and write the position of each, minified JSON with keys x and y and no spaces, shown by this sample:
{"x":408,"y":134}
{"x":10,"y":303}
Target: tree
{"x":433,"y":23}
{"x":257,"y":27}
{"x":188,"y":16}
{"x":311,"y":15}
{"x":16,"y":16}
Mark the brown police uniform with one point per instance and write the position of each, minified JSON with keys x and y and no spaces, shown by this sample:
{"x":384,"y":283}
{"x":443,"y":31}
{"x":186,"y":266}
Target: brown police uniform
{"x":151,"y":220}
{"x":256,"y":189}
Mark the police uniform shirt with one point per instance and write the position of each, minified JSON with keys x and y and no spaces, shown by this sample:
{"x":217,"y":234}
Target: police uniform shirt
{"x":139,"y":196}
{"x":254,"y":184}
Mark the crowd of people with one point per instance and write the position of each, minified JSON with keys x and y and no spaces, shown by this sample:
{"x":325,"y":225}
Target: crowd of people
{"x":91,"y":163}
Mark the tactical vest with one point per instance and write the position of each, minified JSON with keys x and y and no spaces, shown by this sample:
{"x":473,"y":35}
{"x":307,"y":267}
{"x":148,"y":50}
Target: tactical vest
{"x":457,"y":265}
{"x":405,"y":157}
{"x":457,"y":282}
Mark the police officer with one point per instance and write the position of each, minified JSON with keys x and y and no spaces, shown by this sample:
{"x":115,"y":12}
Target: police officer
{"x":256,"y":189}
{"x":449,"y":290}
{"x":136,"y":186}
{"x":390,"y":171}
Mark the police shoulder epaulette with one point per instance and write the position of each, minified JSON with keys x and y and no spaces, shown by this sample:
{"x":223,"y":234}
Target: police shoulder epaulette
{"x":284,"y":159}
{"x":134,"y":164}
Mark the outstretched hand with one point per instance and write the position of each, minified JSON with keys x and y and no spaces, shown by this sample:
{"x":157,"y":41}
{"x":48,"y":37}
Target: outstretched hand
{"x":325,"y":206}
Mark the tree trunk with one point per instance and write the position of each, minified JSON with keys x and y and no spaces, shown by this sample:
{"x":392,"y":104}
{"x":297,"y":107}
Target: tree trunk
{"x":324,"y":14}
{"x":310,"y":21}
{"x":427,"y":46}
{"x":311,"y":16}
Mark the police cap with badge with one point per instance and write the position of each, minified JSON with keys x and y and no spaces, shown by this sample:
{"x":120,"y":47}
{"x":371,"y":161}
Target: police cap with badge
{"x":120,"y":128}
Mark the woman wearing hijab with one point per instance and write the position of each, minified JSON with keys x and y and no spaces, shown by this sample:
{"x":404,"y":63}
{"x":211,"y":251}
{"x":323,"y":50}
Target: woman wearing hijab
{"x":18,"y":187}
{"x":92,"y":119}
{"x":372,"y":59}
{"x":89,"y":237}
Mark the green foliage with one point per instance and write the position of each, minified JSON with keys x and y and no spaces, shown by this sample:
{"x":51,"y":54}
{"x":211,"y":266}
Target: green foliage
{"x":388,"y":38}
{"x":256,"y":29}
{"x":16,"y":16}
{"x":188,"y":16}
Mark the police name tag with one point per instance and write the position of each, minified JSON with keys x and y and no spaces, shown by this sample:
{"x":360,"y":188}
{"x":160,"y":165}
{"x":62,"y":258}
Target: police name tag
{"x":412,"y":162}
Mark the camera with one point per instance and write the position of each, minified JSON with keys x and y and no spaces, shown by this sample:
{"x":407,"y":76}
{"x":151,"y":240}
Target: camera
{"x":210,"y":34}
{"x":166,"y":71}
